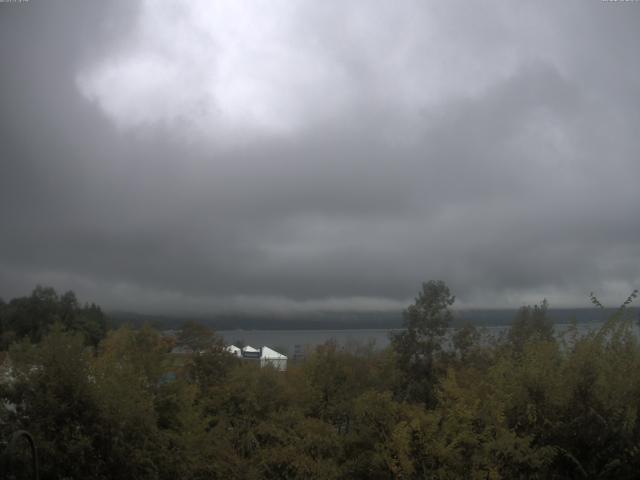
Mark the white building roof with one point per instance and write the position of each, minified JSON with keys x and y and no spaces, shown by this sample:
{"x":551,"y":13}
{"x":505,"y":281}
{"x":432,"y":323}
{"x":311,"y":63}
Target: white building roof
{"x":272,"y":354}
{"x":232,"y":349}
{"x":250,"y":349}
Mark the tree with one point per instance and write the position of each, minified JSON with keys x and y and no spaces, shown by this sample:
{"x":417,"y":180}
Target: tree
{"x":52,"y":392}
{"x":196,"y":336}
{"x":211,"y":366}
{"x":418,"y":346}
{"x":128,"y":373}
{"x":466,"y":342}
{"x":530,"y":324}
{"x":34,"y":316}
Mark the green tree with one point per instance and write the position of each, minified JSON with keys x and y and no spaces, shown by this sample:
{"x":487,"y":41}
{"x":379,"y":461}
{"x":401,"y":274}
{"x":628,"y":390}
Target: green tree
{"x":466,"y":343}
{"x":128,"y":373}
{"x":53,"y":398}
{"x":196,"y":336}
{"x":419,"y":345}
{"x":210,"y":366}
{"x":33,"y":316}
{"x":530,"y":324}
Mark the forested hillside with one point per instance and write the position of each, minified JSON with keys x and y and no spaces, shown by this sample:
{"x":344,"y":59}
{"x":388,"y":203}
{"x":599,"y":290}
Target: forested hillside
{"x":116,"y":404}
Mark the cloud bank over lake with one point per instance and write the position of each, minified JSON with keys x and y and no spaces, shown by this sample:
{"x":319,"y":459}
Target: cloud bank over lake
{"x":202,"y":156}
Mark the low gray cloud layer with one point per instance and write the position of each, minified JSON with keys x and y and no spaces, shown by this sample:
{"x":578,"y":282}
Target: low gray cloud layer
{"x":195,"y":156}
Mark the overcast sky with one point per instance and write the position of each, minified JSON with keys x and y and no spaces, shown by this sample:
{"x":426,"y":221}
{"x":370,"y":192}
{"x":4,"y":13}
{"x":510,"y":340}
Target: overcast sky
{"x":197,"y":156}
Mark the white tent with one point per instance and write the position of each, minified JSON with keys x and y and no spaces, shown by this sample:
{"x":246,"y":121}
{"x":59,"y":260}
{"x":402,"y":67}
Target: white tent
{"x":273,"y":358}
{"x":250,"y":352}
{"x":233,"y":350}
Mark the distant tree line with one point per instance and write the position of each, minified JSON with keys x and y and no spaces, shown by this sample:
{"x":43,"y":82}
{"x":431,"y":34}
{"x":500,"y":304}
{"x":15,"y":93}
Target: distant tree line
{"x":32,"y":317}
{"x":531,"y":404}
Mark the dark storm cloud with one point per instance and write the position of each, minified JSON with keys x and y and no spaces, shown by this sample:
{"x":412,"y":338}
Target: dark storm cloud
{"x":194,"y":156}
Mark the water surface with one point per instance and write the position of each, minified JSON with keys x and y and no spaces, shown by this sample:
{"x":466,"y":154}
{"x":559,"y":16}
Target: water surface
{"x":288,"y":341}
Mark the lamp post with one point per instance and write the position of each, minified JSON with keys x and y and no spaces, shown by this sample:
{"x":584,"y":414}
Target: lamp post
{"x":9,"y":453}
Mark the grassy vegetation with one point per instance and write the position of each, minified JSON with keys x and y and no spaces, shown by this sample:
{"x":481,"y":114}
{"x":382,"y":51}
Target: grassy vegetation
{"x":529,"y":405}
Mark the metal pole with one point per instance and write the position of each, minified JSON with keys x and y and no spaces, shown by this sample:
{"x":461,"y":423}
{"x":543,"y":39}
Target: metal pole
{"x":9,"y":453}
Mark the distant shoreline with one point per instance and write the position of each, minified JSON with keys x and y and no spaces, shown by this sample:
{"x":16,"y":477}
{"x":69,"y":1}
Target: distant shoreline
{"x":350,"y":320}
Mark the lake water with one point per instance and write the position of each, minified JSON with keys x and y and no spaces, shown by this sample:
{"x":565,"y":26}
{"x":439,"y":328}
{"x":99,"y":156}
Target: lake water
{"x":288,"y":341}
{"x":285,"y":341}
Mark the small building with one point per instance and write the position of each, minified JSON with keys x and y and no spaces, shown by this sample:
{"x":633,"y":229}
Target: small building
{"x":265,"y":355}
{"x":273,"y":359}
{"x":250,"y":352}
{"x":233,"y":350}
